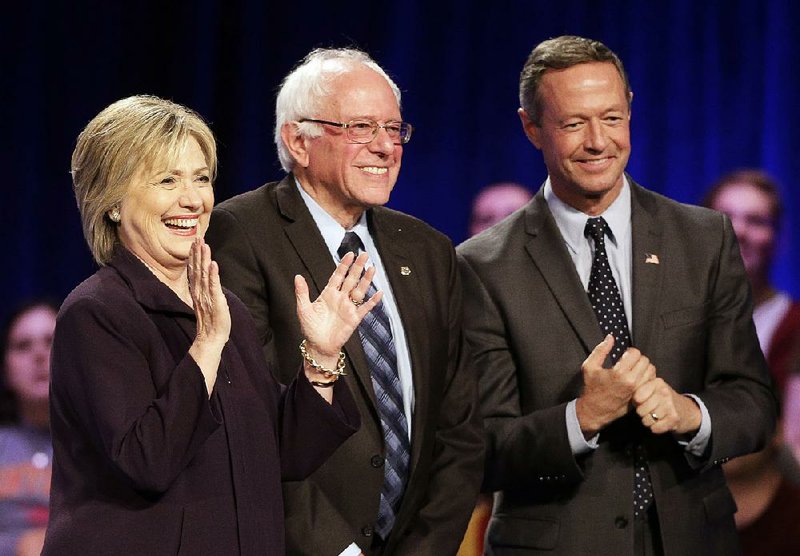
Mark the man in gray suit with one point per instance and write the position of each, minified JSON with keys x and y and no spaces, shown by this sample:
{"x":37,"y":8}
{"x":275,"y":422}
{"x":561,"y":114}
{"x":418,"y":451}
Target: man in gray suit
{"x":406,"y":482}
{"x":612,"y":330}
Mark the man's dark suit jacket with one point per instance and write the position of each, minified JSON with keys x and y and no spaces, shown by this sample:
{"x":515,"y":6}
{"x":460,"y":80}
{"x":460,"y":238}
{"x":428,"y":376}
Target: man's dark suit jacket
{"x":530,"y":324}
{"x":263,"y":238}
{"x":144,"y":462}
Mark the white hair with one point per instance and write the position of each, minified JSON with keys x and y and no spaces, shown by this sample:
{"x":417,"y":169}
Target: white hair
{"x":305,"y":88}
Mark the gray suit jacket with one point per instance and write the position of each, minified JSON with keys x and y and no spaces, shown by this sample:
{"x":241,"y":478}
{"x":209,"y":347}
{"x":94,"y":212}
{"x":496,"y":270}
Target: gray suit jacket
{"x":530,"y":325}
{"x":261,"y":239}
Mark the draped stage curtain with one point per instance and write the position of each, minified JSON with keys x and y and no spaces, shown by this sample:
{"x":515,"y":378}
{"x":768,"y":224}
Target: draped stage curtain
{"x":713,"y":85}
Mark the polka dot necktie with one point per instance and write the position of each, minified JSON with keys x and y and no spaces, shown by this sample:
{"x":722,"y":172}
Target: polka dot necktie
{"x":607,"y":304}
{"x":376,"y":338}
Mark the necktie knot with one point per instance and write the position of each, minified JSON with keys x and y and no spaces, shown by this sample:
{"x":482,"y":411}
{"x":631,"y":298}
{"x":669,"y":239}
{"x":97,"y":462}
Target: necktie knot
{"x":596,"y":228}
{"x":350,"y":243}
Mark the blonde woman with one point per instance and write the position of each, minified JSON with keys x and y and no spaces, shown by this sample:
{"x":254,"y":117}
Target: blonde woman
{"x":170,"y":434}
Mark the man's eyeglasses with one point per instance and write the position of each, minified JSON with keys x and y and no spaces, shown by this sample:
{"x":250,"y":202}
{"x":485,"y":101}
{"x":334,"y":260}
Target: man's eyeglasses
{"x":364,"y":131}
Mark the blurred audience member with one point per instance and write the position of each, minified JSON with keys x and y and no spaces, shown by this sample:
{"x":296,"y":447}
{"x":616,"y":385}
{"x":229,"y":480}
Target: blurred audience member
{"x":25,"y":447}
{"x":790,"y":459}
{"x":494,"y":202}
{"x":768,"y":504}
{"x":761,"y":483}
{"x":752,"y":201}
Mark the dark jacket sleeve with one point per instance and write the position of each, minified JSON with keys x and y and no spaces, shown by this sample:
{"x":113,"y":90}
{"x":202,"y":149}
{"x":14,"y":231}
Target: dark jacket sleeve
{"x":455,"y":469}
{"x":737,"y":386}
{"x":520,"y":448}
{"x":103,"y":376}
{"x":309,"y":429}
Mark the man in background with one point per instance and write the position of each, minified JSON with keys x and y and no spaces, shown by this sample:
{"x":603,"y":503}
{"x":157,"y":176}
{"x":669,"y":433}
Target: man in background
{"x":494,"y":202}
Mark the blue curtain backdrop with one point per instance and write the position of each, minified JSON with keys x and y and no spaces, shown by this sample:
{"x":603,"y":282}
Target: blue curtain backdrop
{"x":713,"y":83}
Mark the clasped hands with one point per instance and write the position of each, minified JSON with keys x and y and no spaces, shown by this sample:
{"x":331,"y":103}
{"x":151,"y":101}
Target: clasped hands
{"x":632,"y":382}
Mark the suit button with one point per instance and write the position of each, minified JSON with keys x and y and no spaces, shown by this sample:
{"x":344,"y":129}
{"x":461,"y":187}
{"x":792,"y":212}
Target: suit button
{"x":621,"y":522}
{"x":377,"y":461}
{"x":366,"y":530}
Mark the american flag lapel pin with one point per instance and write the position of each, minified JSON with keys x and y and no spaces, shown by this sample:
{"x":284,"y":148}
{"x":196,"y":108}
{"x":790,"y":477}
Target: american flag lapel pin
{"x":651,"y":258}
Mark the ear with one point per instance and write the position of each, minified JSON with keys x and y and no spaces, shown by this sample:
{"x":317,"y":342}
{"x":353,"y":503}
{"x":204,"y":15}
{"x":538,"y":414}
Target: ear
{"x":531,"y":129}
{"x":630,"y":105}
{"x":296,"y":144}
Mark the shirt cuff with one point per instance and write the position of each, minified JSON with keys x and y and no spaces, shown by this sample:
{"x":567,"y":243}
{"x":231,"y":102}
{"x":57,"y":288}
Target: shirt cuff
{"x":697,"y":445}
{"x":577,"y":441}
{"x":351,"y":550}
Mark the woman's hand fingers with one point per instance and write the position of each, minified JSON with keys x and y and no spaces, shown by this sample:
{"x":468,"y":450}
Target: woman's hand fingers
{"x":210,"y":305}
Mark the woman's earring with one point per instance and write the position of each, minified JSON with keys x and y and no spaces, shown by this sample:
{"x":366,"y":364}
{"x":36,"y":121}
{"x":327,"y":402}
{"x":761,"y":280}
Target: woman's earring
{"x":113,"y":214}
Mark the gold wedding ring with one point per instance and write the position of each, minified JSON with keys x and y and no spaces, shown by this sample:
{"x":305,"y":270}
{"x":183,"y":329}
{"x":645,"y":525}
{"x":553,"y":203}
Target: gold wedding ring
{"x":356,"y":303}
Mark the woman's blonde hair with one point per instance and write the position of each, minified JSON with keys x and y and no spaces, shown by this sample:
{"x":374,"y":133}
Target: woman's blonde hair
{"x":131,"y":134}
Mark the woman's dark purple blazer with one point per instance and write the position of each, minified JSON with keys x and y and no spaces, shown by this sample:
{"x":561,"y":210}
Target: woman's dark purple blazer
{"x":144,"y":463}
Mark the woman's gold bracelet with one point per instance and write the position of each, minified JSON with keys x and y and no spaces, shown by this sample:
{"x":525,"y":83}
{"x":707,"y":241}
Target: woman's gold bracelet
{"x":328,"y":373}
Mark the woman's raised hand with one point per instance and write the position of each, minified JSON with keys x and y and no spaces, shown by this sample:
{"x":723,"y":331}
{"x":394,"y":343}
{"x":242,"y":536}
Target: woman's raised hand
{"x":211,"y":310}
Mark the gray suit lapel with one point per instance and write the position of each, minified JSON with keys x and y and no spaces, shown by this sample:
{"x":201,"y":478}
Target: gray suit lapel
{"x":546,"y":247}
{"x":647,"y":260}
{"x":310,"y":248}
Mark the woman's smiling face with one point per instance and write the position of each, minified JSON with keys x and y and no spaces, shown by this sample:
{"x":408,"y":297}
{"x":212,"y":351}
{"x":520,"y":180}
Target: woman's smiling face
{"x":166,"y":208}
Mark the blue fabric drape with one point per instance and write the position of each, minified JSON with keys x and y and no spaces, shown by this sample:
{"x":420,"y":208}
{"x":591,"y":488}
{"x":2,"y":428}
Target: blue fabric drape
{"x":713,"y":85}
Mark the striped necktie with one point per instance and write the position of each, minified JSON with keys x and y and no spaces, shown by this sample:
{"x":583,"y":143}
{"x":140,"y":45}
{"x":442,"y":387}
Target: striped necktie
{"x":376,"y":337}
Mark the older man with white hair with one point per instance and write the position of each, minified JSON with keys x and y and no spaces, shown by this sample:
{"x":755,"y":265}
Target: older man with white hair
{"x":407,"y":481}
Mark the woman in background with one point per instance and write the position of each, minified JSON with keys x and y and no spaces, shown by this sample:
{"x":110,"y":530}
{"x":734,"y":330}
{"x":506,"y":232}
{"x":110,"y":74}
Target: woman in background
{"x":764,"y":484}
{"x":170,"y":434}
{"x":25,"y":448}
{"x":750,"y":197}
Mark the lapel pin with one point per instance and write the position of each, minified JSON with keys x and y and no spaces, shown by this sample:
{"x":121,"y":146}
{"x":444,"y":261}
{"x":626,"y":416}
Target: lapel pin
{"x":650,"y":258}
{"x":405,"y":271}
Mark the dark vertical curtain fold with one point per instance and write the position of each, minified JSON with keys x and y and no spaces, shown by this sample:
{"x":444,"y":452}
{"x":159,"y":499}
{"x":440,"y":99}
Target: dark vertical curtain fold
{"x":713,"y":82}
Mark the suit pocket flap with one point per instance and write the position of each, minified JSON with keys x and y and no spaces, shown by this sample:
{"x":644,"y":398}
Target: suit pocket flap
{"x":719,"y":504}
{"x":523,"y":532}
{"x":687,"y":315}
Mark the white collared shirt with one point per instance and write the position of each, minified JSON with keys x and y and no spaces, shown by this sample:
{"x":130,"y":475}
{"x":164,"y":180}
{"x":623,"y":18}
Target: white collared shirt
{"x":572,"y":222}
